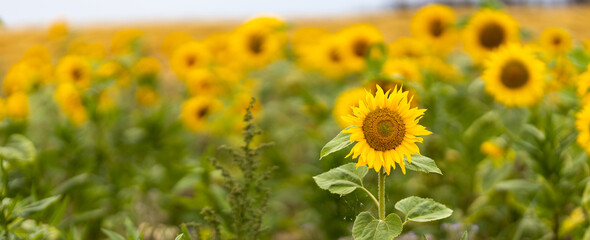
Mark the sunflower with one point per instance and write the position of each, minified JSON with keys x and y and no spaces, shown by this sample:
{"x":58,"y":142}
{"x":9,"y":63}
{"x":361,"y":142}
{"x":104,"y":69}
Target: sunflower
{"x":514,"y":76}
{"x":305,"y":43}
{"x":17,"y":106}
{"x":345,"y":102}
{"x":487,"y":31}
{"x":388,"y":84}
{"x":74,"y":69}
{"x":20,"y":78}
{"x":583,"y":87}
{"x":402,"y":68}
{"x":196,"y":110}
{"x":556,"y":40}
{"x":435,"y":25}
{"x":202,"y":82}
{"x":146,"y":96}
{"x":356,"y":43}
{"x":70,"y":102}
{"x":258,"y":42}
{"x":126,"y":41}
{"x":174,"y":40}
{"x":147,"y":66}
{"x":583,"y":126}
{"x":385,"y":130}
{"x":406,"y":47}
{"x":190,"y":56}
{"x":90,"y":50}
{"x":218,"y":46}
{"x":328,"y":57}
{"x":58,"y":30}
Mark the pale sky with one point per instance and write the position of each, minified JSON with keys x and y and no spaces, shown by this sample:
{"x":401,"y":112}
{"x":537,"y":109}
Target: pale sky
{"x":16,"y":13}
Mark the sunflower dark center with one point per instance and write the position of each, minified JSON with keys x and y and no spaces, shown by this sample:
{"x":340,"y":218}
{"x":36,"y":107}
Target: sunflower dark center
{"x":255,"y":43}
{"x":514,"y":74}
{"x":202,"y":112}
{"x":384,"y":129}
{"x":556,"y":40}
{"x":360,"y":47}
{"x":76,"y":74}
{"x":334,"y":55}
{"x":191,"y":60}
{"x":492,"y":35}
{"x":436,"y":27}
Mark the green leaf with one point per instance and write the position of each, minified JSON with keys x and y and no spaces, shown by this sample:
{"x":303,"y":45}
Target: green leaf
{"x":341,"y":141}
{"x":112,"y":235}
{"x":343,"y":179}
{"x":179,"y":237}
{"x":185,"y":233}
{"x":422,"y":209}
{"x":465,"y":236}
{"x":422,"y":164}
{"x":18,"y":148}
{"x":366,"y":227}
{"x":36,"y":206}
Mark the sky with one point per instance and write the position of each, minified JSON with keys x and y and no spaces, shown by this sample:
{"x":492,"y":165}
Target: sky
{"x":18,"y":13}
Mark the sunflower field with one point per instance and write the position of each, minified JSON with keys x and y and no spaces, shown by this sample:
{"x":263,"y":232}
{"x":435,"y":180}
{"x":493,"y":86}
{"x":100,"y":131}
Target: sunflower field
{"x":432,"y":123}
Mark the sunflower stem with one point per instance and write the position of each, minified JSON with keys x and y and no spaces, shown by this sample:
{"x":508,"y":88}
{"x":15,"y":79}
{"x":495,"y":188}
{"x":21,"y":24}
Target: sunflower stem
{"x":381,"y":194}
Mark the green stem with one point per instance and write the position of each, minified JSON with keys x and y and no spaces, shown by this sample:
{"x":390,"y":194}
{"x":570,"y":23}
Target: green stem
{"x":381,"y":194}
{"x":4,"y":177}
{"x":371,"y":195}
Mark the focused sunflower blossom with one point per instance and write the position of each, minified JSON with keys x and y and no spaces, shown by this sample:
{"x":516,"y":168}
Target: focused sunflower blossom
{"x":583,"y":127}
{"x":514,"y":76}
{"x":385,"y":130}
{"x":435,"y":25}
{"x":487,"y":31}
{"x":555,"y":40}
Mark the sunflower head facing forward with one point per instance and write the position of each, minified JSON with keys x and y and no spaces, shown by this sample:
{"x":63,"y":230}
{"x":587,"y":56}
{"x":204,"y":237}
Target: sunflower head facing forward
{"x":514,"y":76}
{"x":435,"y":25}
{"x":385,"y":130}
{"x":357,"y":41}
{"x":487,"y":31}
{"x":556,"y":40}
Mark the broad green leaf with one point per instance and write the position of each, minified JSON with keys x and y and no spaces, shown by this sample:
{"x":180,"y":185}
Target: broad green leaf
{"x":422,"y":164}
{"x":368,"y":228}
{"x":422,"y":209}
{"x":361,"y":221}
{"x":36,"y":206}
{"x":341,"y":141}
{"x":112,"y":235}
{"x":343,"y":179}
{"x":465,"y":236}
{"x":18,"y":148}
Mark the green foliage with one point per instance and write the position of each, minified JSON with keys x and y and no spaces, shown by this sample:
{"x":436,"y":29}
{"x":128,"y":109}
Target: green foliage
{"x":422,"y":164}
{"x":342,"y":180}
{"x":366,"y":227}
{"x":418,"y":209}
{"x":341,"y":141}
{"x":247,"y":195}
